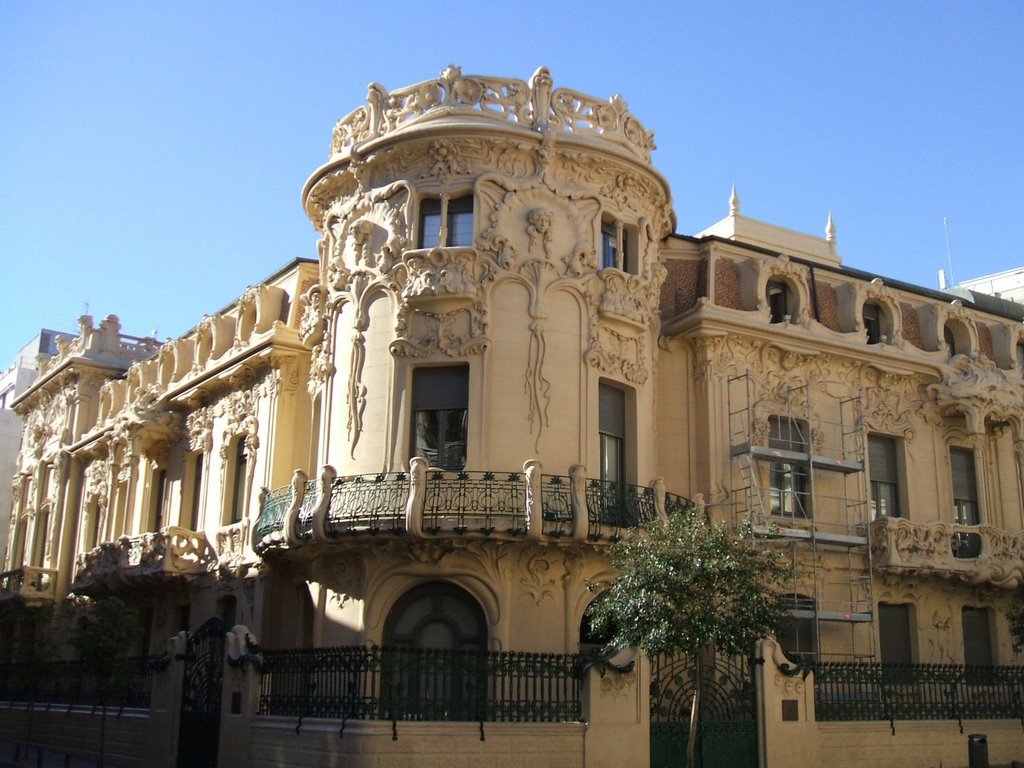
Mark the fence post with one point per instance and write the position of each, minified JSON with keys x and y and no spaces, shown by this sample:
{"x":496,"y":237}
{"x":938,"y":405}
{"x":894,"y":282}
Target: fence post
{"x":165,"y":705}
{"x":240,"y":699}
{"x":787,"y":733}
{"x":617,"y":711}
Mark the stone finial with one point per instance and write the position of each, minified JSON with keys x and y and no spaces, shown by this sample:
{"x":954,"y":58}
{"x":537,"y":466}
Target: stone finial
{"x":830,"y":229}
{"x":734,"y":202}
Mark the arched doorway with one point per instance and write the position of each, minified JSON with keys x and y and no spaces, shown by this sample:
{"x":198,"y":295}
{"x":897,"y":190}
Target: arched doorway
{"x":435,"y":664}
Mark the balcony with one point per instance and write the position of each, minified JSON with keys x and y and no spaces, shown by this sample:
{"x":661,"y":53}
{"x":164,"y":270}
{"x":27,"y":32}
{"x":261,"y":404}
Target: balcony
{"x":29,"y":584}
{"x":430,"y":502}
{"x":976,"y":554}
{"x":149,"y":559}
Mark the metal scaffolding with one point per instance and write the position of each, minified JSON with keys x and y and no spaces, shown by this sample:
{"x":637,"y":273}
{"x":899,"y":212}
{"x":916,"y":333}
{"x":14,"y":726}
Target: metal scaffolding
{"x":798,"y":480}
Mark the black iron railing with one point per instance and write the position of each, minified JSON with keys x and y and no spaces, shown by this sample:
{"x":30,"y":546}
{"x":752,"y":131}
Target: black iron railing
{"x":866,"y":691}
{"x":368,"y":503}
{"x":475,"y":501}
{"x":361,"y":683}
{"x":275,"y":505}
{"x":618,"y":505}
{"x":556,"y":501}
{"x":70,"y":683}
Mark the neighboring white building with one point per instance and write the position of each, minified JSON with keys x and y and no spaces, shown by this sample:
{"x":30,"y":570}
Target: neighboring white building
{"x":13,"y":381}
{"x":1004,"y":285}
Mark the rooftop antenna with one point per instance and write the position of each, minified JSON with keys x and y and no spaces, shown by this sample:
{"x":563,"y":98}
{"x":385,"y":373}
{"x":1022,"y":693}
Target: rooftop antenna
{"x":949,"y":253}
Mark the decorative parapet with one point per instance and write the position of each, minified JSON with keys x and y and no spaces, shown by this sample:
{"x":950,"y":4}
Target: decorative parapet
{"x":104,"y":344}
{"x":533,"y":105}
{"x":428,"y":501}
{"x":29,"y":584}
{"x":973,"y":554}
{"x":131,"y":561}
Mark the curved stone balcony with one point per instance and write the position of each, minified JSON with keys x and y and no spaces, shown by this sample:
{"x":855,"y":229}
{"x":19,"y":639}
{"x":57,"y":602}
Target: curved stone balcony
{"x":976,"y":554}
{"x":149,"y":559}
{"x":29,"y":584}
{"x":427,"y":502}
{"x":534,"y":105}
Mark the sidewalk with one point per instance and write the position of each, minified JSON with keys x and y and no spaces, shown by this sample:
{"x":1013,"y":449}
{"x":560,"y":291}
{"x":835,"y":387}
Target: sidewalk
{"x":40,"y":758}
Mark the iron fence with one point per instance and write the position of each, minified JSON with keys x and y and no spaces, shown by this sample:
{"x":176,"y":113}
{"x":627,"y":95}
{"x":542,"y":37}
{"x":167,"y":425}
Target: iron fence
{"x":475,"y":501}
{"x":71,"y":683}
{"x":556,"y":501}
{"x":275,"y":505}
{"x":304,"y":520}
{"x":368,"y":504}
{"x":372,"y":683}
{"x":870,"y":691}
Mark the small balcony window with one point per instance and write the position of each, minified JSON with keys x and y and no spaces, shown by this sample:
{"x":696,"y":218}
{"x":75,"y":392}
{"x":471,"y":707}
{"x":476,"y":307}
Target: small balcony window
{"x":779,"y":301}
{"x":872,"y":318}
{"x":446,"y":222}
{"x":440,"y":398}
{"x":884,"y":473}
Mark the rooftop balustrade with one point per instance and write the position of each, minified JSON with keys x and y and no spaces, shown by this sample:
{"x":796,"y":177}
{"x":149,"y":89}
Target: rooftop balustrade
{"x":428,"y":501}
{"x":971,"y":553}
{"x":172,"y":553}
{"x":30,"y":584}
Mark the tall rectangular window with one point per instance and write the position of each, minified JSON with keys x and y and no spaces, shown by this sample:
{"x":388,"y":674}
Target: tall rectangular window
{"x":612,"y":433}
{"x":609,"y":245}
{"x":885,"y":490}
{"x":440,"y":401}
{"x":894,"y":634}
{"x":965,"y":488}
{"x":238,"y":475}
{"x":195,"y":503}
{"x":977,"y":628}
{"x":159,"y":493}
{"x":788,"y":493}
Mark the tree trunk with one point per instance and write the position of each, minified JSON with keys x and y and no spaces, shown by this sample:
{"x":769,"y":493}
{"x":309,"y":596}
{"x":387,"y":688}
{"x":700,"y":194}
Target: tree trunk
{"x":691,"y":741}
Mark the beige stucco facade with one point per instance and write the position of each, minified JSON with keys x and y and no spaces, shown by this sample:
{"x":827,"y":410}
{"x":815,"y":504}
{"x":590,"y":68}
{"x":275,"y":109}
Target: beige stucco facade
{"x":514,"y":241}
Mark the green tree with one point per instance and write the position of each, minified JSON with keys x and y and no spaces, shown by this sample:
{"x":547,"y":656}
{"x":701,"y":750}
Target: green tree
{"x":1016,"y":618}
{"x":104,"y":635}
{"x":34,"y":653}
{"x":686,"y":586}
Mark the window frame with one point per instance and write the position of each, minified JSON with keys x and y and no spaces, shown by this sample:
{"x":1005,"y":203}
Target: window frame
{"x":778,"y":295}
{"x":788,"y":480}
{"x":238,"y":470}
{"x":978,"y":651}
{"x":905,"y":650}
{"x":445,"y":221}
{"x":612,"y":437}
{"x":879,"y":479}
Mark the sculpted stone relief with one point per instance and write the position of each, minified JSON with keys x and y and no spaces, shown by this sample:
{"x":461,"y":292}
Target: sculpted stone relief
{"x":978,"y":389}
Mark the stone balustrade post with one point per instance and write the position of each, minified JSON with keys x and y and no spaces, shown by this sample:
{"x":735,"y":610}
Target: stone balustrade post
{"x":323,"y":502}
{"x":298,"y":492}
{"x":658,"y":485}
{"x":417,"y":493}
{"x":534,"y":500}
{"x":616,"y":708}
{"x":578,"y":497}
{"x":239,"y":700}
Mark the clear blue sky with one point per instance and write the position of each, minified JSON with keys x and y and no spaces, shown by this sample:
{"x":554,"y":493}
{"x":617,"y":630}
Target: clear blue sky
{"x":152,"y":155}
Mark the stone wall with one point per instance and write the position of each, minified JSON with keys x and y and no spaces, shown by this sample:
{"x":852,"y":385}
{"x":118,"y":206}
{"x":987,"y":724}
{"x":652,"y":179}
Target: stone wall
{"x":78,"y":733}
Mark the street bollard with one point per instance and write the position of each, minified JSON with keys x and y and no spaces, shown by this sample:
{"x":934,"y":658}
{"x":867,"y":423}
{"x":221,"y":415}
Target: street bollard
{"x":977,"y":750}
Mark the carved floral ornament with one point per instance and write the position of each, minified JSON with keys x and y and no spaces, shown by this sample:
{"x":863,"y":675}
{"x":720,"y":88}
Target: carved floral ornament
{"x":978,"y":389}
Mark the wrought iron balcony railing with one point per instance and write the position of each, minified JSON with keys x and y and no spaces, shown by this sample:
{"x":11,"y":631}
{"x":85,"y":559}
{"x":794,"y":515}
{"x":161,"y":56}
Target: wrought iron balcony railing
{"x":30,"y":584}
{"x":977,"y":554}
{"x":171,"y":553}
{"x":429,"y":501}
{"x":399,"y":684}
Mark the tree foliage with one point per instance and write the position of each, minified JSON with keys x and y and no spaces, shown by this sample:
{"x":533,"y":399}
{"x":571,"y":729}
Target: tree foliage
{"x":104,"y":636}
{"x":685,"y":585}
{"x":1016,"y":618}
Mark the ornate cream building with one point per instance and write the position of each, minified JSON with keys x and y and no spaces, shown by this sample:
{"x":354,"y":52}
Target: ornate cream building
{"x":504,"y":358}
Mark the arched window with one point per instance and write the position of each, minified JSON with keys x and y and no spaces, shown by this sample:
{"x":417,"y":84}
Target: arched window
{"x":436,"y":615}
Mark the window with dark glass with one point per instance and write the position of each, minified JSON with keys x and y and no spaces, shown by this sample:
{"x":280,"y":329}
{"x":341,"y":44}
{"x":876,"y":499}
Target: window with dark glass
{"x":239,"y":471}
{"x":610,"y":235}
{"x":885,"y":490}
{"x":456,"y":215}
{"x":894,"y":633}
{"x":977,"y":628}
{"x":796,"y":632}
{"x":39,"y":546}
{"x":436,"y":615}
{"x":159,"y":493}
{"x":872,"y":317}
{"x":788,"y":474}
{"x":949,"y":339}
{"x":197,"y":491}
{"x":1020,"y":356}
{"x":440,"y":398}
{"x":778,"y":301}
{"x":612,"y":433}
{"x":965,"y":502}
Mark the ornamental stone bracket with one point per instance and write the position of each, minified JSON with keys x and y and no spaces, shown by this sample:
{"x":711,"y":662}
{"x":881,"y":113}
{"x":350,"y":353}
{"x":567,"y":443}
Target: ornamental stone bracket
{"x":149,"y":559}
{"x":976,"y":555}
{"x":975,"y":387}
{"x":441,"y":280}
{"x":29,"y":584}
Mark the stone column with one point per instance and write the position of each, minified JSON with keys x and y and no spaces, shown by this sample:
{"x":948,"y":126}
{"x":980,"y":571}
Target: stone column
{"x":616,"y":708}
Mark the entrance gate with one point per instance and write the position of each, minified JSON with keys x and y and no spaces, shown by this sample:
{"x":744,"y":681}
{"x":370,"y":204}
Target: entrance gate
{"x":199,"y":724}
{"x":727,"y":730}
